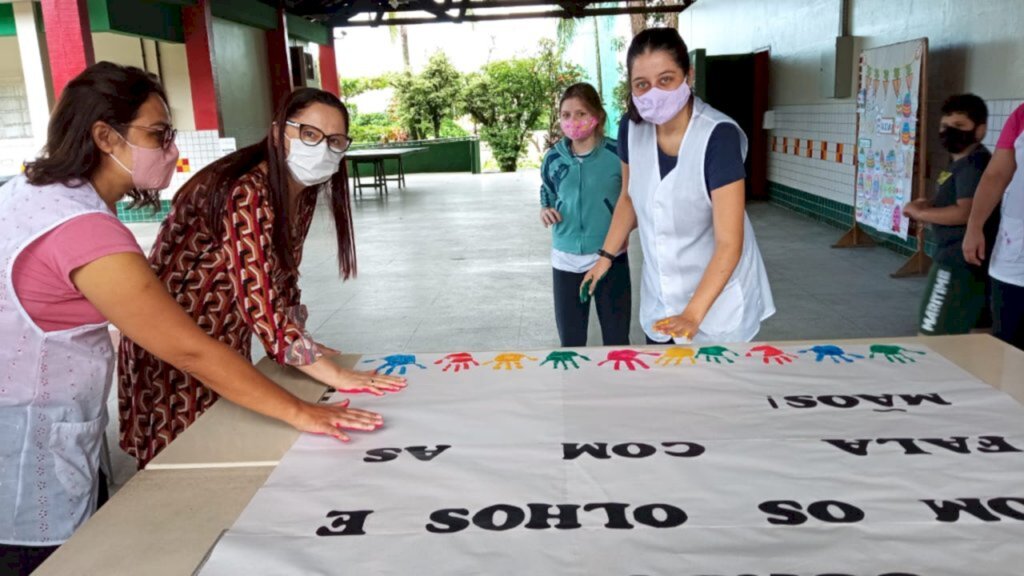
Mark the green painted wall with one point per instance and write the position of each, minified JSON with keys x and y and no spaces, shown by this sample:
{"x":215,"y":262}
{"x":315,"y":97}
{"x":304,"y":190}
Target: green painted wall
{"x":162,"y":20}
{"x":7,"y":20}
{"x":836,"y":214}
{"x":450,"y":155}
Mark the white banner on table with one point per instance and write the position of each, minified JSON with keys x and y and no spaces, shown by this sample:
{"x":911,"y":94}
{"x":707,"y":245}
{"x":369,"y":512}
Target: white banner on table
{"x":868,"y":460}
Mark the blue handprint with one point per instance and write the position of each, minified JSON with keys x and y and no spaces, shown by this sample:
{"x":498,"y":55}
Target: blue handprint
{"x":395,"y":362}
{"x":837,"y":354}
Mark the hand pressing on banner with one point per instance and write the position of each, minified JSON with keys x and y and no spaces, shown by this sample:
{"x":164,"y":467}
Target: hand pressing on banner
{"x":832,"y":352}
{"x":628,"y":358}
{"x":893,"y":354}
{"x":331,"y":419}
{"x":563,"y":358}
{"x":458,"y":361}
{"x":509,"y":361}
{"x":395,"y":362}
{"x":772,"y":354}
{"x":684,"y":325}
{"x":716,"y":354}
{"x":354,"y":382}
{"x":676,"y":355}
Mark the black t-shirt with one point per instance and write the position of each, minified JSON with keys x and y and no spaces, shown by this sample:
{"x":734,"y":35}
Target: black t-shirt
{"x":958,"y":182}
{"x":723,"y":162}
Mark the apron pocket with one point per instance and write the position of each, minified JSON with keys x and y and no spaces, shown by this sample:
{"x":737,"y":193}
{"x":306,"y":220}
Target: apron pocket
{"x":76,"y":454}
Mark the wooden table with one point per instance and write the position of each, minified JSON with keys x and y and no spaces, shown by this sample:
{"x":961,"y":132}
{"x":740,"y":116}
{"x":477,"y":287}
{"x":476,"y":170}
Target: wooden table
{"x":229,"y":436}
{"x":376,"y":158}
{"x":167,"y":518}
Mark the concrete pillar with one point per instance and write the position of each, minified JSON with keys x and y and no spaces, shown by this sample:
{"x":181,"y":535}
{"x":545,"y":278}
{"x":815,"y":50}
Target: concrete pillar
{"x":279,"y":61}
{"x":68,"y":40}
{"x":328,"y":69}
{"x":32,"y":69}
{"x":202,"y":71}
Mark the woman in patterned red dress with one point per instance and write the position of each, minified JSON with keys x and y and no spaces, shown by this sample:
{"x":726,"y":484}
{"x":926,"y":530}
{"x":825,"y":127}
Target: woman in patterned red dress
{"x":229,"y":253}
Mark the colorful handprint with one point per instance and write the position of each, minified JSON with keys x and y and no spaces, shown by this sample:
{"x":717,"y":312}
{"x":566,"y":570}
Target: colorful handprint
{"x":458,"y":361}
{"x":509,"y":361}
{"x":835,"y":353}
{"x":395,"y":362}
{"x":563,"y":358}
{"x":675,"y":356}
{"x":772,"y":354}
{"x":628,"y":358}
{"x":893,"y":353}
{"x":716,"y":354}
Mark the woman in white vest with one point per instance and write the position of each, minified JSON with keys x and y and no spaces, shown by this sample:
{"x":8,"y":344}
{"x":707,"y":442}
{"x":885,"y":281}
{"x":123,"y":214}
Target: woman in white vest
{"x":703,"y":278}
{"x":67,"y":268}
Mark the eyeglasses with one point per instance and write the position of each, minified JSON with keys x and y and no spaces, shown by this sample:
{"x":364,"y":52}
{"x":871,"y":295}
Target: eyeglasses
{"x":311,"y":136}
{"x":165,"y":135}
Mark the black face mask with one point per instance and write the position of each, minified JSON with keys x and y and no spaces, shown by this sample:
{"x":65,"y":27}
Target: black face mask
{"x":956,"y":141}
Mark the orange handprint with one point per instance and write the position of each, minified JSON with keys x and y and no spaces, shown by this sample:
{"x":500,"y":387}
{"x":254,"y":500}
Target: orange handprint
{"x":509,"y":361}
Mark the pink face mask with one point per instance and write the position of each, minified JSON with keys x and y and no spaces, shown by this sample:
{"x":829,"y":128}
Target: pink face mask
{"x":658,"y":106}
{"x":152,"y":168}
{"x":579,"y":129}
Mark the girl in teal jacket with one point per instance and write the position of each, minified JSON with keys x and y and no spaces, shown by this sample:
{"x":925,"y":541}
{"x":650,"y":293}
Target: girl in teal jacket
{"x":581,"y":179}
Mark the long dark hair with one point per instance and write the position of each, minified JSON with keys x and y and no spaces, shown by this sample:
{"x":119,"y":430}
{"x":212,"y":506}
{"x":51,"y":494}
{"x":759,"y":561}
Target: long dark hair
{"x":221,"y":176}
{"x":651,"y":40}
{"x":591,"y":100}
{"x":104,"y":92}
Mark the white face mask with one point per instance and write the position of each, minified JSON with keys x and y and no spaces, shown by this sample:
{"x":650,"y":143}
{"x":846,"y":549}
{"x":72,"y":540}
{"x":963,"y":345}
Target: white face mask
{"x":312,"y":165}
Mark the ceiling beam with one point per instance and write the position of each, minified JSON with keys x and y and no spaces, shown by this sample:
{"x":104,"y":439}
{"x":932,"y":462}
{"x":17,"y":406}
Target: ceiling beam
{"x":560,"y":12}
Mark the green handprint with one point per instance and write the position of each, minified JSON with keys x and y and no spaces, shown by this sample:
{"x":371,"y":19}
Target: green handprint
{"x":893,"y":353}
{"x":716,"y":354}
{"x":562,"y":358}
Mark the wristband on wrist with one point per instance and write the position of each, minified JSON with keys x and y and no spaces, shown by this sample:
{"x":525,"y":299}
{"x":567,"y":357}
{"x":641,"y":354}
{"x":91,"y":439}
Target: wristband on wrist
{"x":602,"y":253}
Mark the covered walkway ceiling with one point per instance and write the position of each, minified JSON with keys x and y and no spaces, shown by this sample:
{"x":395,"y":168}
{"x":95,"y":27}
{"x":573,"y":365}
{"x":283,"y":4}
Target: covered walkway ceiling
{"x":349,"y":13}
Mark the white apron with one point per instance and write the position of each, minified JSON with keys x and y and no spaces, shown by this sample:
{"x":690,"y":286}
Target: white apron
{"x":1008,"y":253}
{"x":674,"y":220}
{"x":53,"y":385}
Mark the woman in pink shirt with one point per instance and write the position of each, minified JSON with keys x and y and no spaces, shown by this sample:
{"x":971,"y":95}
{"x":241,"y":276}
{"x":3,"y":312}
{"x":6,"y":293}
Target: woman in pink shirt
{"x":1003,"y":182}
{"x":67,"y":268}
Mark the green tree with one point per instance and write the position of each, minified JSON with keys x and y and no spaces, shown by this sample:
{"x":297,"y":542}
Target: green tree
{"x":429,"y":98}
{"x":507,"y":101}
{"x":352,"y":87}
{"x":554,"y":75}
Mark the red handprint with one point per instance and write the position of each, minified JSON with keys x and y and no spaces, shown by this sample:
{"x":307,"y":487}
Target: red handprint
{"x":629,"y":358}
{"x":458,"y":360}
{"x":771,"y":353}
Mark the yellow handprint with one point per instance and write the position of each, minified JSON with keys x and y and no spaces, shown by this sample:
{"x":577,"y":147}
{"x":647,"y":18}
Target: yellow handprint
{"x":509,"y":361}
{"x":675,"y":355}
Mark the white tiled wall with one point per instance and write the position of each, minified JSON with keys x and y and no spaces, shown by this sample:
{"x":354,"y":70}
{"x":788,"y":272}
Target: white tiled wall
{"x":998,"y":112}
{"x":828,"y":125}
{"x":196,"y":150}
{"x":811,"y":128}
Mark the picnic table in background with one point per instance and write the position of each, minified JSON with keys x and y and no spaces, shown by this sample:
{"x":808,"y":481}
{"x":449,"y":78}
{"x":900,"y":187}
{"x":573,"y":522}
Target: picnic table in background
{"x":376,"y":157}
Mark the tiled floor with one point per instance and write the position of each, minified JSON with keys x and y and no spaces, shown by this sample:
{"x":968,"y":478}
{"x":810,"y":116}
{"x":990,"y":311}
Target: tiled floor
{"x":461,"y":262}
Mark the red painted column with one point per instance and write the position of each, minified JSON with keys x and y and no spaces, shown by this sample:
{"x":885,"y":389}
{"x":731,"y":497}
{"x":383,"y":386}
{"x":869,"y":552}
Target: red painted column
{"x":328,"y":69}
{"x":278,"y":60}
{"x":198,"y":24}
{"x":68,"y":40}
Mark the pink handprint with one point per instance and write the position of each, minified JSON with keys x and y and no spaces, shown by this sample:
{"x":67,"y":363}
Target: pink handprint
{"x":458,"y":360}
{"x":772,"y":354}
{"x":629,"y":358}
